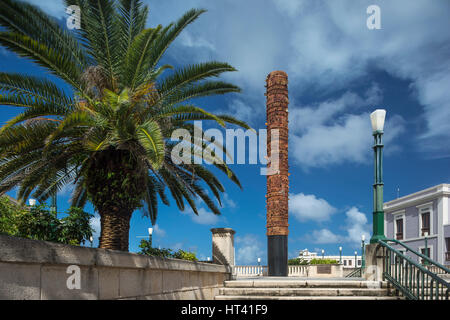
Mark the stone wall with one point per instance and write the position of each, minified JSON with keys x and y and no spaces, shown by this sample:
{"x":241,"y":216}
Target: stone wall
{"x":325,"y":271}
{"x":39,"y":270}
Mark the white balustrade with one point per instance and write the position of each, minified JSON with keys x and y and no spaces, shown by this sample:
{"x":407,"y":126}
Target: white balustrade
{"x":254,"y":271}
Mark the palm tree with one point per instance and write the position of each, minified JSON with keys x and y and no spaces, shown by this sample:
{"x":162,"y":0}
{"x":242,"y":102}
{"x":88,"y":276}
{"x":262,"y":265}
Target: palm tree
{"x":111,"y":136}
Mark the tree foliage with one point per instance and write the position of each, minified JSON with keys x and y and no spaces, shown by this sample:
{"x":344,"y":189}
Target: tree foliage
{"x":9,"y":216}
{"x":323,"y":261}
{"x":147,"y":249}
{"x":297,"y":262}
{"x":109,"y":135}
{"x":40,"y":223}
{"x":303,"y":262}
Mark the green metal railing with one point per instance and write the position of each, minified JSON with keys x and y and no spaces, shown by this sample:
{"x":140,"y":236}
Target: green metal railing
{"x":357,"y":273}
{"x":414,"y":280}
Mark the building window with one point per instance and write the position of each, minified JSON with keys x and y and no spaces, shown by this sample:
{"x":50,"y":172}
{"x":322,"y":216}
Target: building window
{"x":425,"y":223}
{"x":399,"y":229}
{"x":359,"y":262}
{"x":447,"y":253}
{"x":345,"y":262}
{"x":349,"y":262}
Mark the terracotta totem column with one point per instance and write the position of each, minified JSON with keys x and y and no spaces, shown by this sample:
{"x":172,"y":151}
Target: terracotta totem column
{"x":278,"y":176}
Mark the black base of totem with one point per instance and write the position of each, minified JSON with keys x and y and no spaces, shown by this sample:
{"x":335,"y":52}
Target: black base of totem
{"x":277,"y":250}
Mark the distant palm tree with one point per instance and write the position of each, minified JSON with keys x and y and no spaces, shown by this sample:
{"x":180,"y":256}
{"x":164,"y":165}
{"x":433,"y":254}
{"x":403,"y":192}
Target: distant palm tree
{"x":111,"y":137}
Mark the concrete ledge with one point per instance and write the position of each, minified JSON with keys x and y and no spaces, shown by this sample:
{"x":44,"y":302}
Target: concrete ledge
{"x":18,"y":250}
{"x":31,"y":269}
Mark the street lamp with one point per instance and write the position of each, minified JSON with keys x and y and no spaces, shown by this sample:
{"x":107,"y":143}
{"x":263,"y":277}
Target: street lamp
{"x":363,"y":260}
{"x":377,"y":118}
{"x":91,"y":239}
{"x":32,"y":202}
{"x":150,"y":233}
{"x":356,"y":257}
{"x":323,"y":252}
{"x":340,"y":255}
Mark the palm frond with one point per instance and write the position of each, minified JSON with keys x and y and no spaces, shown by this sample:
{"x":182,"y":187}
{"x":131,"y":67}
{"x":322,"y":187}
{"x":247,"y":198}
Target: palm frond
{"x":132,"y":18}
{"x":46,"y":57}
{"x":24,"y":18}
{"x":168,"y":35}
{"x":137,"y":57}
{"x":150,"y":136}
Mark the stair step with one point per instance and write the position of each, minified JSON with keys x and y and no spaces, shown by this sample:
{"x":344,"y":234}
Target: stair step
{"x":330,"y":292}
{"x":304,"y":284}
{"x":222,"y":297}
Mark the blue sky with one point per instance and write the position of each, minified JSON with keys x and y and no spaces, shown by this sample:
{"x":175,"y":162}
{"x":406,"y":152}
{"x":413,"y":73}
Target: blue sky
{"x":339,"y":71}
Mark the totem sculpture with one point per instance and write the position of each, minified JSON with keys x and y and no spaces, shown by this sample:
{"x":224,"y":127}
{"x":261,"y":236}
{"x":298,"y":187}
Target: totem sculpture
{"x":278,"y":175}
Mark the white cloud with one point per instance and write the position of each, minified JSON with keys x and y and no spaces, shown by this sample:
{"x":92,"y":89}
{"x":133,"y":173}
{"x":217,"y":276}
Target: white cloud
{"x":227,"y":202}
{"x":96,"y":225}
{"x":333,"y":48}
{"x":248,"y":249}
{"x":204,"y":216}
{"x":158,"y":231}
{"x":348,"y":139}
{"x":323,"y":236}
{"x":356,"y":225}
{"x":289,"y":7}
{"x":303,"y":118}
{"x":335,"y":131}
{"x":191,"y":41}
{"x":241,"y":110}
{"x":308,"y":207}
{"x":324,"y":46}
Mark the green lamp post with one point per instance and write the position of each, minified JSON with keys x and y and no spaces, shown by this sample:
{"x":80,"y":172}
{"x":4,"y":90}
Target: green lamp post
{"x":377,"y":118}
{"x":340,"y":255}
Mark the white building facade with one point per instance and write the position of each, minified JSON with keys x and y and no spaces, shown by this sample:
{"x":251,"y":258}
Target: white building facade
{"x":347,"y":261}
{"x":424,"y":214}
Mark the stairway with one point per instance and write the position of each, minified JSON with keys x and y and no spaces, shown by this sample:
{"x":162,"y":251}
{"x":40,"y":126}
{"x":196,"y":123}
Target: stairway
{"x":273,"y":288}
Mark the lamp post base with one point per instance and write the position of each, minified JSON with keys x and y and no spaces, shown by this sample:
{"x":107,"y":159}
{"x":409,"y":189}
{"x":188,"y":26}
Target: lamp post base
{"x":376,"y":238}
{"x":277,"y":250}
{"x":378,"y":227}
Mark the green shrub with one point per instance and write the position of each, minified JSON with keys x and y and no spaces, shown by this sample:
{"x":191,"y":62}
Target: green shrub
{"x":9,"y":215}
{"x":40,"y":223}
{"x":180,"y":254}
{"x":297,"y":262}
{"x":75,"y":228}
{"x":323,"y":261}
{"x":147,"y":249}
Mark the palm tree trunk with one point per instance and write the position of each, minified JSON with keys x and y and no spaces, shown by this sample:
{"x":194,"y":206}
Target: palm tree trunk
{"x":115,"y":228}
{"x":115,"y":184}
